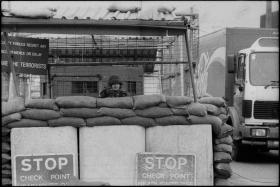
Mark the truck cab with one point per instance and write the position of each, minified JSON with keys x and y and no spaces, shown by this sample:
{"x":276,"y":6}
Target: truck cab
{"x":254,"y":113}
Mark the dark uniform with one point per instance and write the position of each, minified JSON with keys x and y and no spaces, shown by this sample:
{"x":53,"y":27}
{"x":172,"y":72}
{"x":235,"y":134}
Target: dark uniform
{"x":109,"y":92}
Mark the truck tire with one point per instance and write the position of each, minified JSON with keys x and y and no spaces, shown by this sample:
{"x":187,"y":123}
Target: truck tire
{"x":241,"y":152}
{"x":238,"y":151}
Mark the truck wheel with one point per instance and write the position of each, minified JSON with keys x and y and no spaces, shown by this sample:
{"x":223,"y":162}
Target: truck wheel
{"x":238,"y":151}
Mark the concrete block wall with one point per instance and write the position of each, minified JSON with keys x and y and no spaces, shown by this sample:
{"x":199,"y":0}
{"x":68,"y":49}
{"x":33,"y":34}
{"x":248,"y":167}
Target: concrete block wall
{"x":37,"y":141}
{"x":178,"y":139}
{"x":107,"y":153}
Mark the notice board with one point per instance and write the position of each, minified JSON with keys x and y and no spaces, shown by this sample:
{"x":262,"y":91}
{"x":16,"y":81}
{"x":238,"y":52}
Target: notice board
{"x":42,"y":170}
{"x":165,"y":169}
{"x":29,"y":55}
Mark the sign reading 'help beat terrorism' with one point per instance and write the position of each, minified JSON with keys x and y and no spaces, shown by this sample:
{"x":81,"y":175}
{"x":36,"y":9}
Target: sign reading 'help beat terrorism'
{"x":43,"y":170}
{"x":30,"y":55}
{"x":165,"y":169}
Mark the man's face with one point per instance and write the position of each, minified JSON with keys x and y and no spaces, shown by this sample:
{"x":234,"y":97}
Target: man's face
{"x":116,"y":86}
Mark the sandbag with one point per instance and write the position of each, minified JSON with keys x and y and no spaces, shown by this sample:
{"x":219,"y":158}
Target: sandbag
{"x":11,"y":118}
{"x":80,"y":112}
{"x":6,"y":138}
{"x":223,"y":117}
{"x":5,"y":131}
{"x":173,"y":101}
{"x":6,"y":158}
{"x":163,"y":105}
{"x":196,"y":109}
{"x":146,"y":101}
{"x":215,"y":122}
{"x":102,"y":121}
{"x":154,"y":112}
{"x":116,"y":112}
{"x":172,"y":120}
{"x":222,"y":170}
{"x":6,"y":166}
{"x":31,"y":12}
{"x":76,"y":102}
{"x":13,"y":106}
{"x":225,"y":131}
{"x":116,"y":102}
{"x":217,"y":101}
{"x":166,"y":9}
{"x":223,"y":110}
{"x":222,"y":157}
{"x":223,"y":148}
{"x":212,"y":109}
{"x":67,"y":121}
{"x":27,"y":123}
{"x":180,"y":111}
{"x":41,"y":104}
{"x":123,"y":8}
{"x":226,"y":140}
{"x":6,"y":173}
{"x":6,"y":147}
{"x":40,"y":114}
{"x":6,"y":181}
{"x":137,"y":120}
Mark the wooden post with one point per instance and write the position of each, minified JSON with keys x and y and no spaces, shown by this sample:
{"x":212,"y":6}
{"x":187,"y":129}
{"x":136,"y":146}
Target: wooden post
{"x":190,"y":61}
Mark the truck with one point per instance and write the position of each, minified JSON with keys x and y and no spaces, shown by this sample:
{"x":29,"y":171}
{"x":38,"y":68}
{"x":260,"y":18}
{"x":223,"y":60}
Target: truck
{"x":241,"y":65}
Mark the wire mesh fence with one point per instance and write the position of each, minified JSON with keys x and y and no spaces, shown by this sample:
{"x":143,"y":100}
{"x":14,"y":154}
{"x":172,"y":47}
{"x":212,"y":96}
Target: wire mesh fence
{"x":147,"y":65}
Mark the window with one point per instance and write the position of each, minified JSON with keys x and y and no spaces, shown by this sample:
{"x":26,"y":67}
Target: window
{"x":77,"y":87}
{"x":131,"y":87}
{"x":84,"y":87}
{"x":264,"y":68}
{"x":241,"y":67}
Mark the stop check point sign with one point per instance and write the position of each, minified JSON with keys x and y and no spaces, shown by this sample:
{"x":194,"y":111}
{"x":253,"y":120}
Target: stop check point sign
{"x":43,"y":170}
{"x":165,"y":169}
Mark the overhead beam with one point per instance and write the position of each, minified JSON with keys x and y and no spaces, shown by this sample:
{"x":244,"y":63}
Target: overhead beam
{"x":115,"y":63}
{"x":95,"y":27}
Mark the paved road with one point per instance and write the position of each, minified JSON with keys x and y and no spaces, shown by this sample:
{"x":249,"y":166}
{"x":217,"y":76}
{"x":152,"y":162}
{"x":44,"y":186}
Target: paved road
{"x":257,"y":169}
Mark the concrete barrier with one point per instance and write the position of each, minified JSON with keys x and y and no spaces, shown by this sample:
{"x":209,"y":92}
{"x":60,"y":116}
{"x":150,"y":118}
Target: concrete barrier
{"x":181,"y":139}
{"x":46,"y":144}
{"x":108,"y":153}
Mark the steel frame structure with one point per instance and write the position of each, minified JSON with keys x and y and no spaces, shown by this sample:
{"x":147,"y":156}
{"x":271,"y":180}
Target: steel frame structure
{"x":104,"y":27}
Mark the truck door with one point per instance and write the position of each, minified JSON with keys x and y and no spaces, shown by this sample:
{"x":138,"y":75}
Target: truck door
{"x":239,"y":87}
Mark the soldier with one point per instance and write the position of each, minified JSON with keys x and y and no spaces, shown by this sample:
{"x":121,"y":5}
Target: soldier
{"x":114,"y":88}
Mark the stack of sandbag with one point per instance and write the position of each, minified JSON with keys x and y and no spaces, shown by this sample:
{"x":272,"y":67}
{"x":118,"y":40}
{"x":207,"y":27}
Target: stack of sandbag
{"x":6,"y":157}
{"x":31,"y":12}
{"x":73,"y":110}
{"x":154,"y":110}
{"x":222,"y":156}
{"x":36,"y":114}
{"x":222,"y":145}
{"x":209,"y":110}
{"x":215,"y":106}
{"x":10,"y":113}
{"x":142,"y":110}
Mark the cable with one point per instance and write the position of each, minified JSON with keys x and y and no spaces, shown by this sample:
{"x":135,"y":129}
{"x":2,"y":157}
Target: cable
{"x":251,"y":179}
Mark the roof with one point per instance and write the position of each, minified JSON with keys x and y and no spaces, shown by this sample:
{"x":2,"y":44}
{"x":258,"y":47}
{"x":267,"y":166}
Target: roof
{"x":111,"y":12}
{"x":86,"y":18}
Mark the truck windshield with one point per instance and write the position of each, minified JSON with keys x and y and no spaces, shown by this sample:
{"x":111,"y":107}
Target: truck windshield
{"x":264,"y":68}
